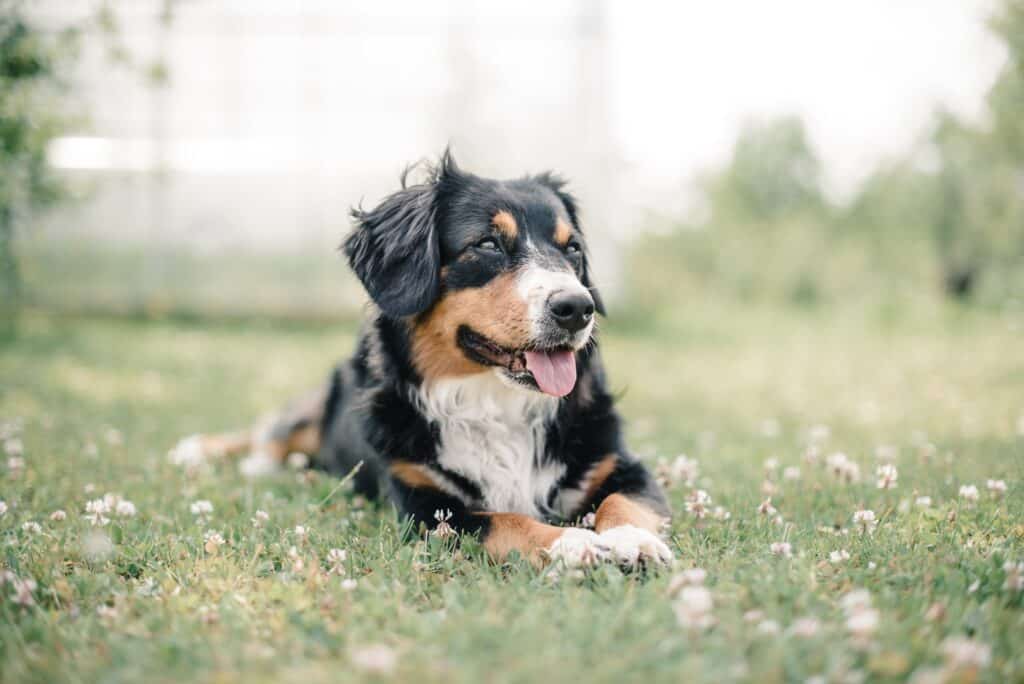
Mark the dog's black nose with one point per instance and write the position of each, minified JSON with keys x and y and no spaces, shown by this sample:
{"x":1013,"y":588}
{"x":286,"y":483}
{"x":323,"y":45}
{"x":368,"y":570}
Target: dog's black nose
{"x":571,"y":310}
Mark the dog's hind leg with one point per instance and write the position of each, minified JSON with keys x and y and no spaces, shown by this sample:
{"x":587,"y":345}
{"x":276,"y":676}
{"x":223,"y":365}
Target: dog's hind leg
{"x":267,"y":445}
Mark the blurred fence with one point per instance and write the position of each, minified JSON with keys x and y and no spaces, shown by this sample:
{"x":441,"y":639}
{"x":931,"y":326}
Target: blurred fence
{"x":221,"y":157}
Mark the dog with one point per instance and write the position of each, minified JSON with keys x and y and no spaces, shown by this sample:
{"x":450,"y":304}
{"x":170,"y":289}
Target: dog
{"x":476,"y":396}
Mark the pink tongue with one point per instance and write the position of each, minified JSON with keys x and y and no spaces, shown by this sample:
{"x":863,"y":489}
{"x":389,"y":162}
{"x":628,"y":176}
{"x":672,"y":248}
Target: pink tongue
{"x":555,"y":372}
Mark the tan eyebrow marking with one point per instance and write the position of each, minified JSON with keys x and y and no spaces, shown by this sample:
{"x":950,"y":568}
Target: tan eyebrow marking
{"x":506,"y":224}
{"x":563,"y":231}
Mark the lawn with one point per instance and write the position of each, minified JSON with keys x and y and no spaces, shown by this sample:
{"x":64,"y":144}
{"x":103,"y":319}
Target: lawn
{"x":761,"y":400}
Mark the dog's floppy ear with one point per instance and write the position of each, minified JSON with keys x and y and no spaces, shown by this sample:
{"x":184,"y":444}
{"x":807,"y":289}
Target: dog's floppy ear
{"x":557,"y":185}
{"x":395,"y":249}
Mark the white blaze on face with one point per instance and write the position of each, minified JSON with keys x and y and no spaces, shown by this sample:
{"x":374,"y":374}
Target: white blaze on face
{"x":536,"y":285}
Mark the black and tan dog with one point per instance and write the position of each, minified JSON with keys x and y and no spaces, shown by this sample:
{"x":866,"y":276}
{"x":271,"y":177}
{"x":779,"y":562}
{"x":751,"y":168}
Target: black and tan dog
{"x":476,"y":392}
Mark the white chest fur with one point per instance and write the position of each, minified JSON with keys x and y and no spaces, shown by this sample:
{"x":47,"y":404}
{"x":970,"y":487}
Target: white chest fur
{"x":493,"y":435}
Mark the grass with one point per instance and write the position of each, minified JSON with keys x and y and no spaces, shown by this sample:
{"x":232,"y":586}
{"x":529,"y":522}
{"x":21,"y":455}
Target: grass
{"x":99,"y":401}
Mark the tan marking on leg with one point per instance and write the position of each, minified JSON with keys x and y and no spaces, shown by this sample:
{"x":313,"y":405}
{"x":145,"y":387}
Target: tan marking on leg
{"x":506,"y":224}
{"x":516,"y":532}
{"x":305,"y":440}
{"x":495,"y":310}
{"x":563,"y":231}
{"x":598,"y":474}
{"x":412,"y":475}
{"x":617,"y":510}
{"x":226,"y":444}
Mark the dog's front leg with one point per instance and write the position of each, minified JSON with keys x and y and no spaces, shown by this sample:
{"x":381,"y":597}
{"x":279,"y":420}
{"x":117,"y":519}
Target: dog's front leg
{"x":426,"y":499}
{"x":629,"y":511}
{"x":540,"y":543}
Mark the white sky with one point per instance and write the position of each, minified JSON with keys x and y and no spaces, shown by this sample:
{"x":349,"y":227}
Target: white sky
{"x":865,"y":75}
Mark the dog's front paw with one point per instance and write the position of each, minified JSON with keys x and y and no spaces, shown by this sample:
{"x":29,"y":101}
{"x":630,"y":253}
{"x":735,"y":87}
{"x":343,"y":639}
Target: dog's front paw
{"x":634,"y":546}
{"x":577,"y":548}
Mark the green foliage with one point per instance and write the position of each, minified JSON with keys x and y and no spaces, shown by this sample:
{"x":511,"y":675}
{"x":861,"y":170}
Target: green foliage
{"x":773,"y":174}
{"x":33,"y":88}
{"x":950,"y":213}
{"x":968,"y":199}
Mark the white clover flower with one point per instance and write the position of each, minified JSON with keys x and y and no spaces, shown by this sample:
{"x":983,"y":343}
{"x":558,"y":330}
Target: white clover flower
{"x":863,"y":624}
{"x":301,"y":533}
{"x":838,"y":557}
{"x":31,"y":527}
{"x":771,"y":465}
{"x":442,"y":530}
{"x":348,"y":584}
{"x":588,"y":521}
{"x":213,"y":541}
{"x":996,"y":487}
{"x":887,"y":476}
{"x":298,"y":564}
{"x":969,"y":493}
{"x":15,"y":464}
{"x":923,"y":501}
{"x":376,"y":659}
{"x":805,"y":628}
{"x":697,"y":503}
{"x":335,"y":561}
{"x":125,"y":508}
{"x":720,"y":513}
{"x":23,"y":589}
{"x":861,"y":618}
{"x":693,"y":608}
{"x":96,"y":512}
{"x":782,"y":549}
{"x":13,"y":447}
{"x":208,"y":615}
{"x":855,"y":600}
{"x":866,"y":520}
{"x":259,"y":518}
{"x":681,"y":470}
{"x":769,"y":627}
{"x":3,"y":508}
{"x":752,"y":616}
{"x":202,"y":507}
{"x":766,"y":507}
{"x":58,"y":516}
{"x":686,"y":578}
{"x":843,"y":468}
{"x":1014,"y":576}
{"x":964,"y":653}
{"x":791,"y":473}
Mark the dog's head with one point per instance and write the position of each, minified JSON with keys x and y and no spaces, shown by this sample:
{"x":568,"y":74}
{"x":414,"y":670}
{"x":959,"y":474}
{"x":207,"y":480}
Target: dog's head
{"x":489,"y":275}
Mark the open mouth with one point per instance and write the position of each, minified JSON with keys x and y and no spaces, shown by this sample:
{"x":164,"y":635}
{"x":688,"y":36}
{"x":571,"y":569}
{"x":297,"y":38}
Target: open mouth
{"x":551,"y":370}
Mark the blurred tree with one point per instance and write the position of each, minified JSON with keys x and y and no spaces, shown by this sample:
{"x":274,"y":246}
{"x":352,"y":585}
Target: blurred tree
{"x":33,"y":66}
{"x":773,"y":173}
{"x":968,"y":198}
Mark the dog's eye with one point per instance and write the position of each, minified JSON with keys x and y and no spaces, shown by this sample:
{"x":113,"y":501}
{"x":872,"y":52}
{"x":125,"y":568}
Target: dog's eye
{"x":573,"y":248}
{"x":488,"y":244}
